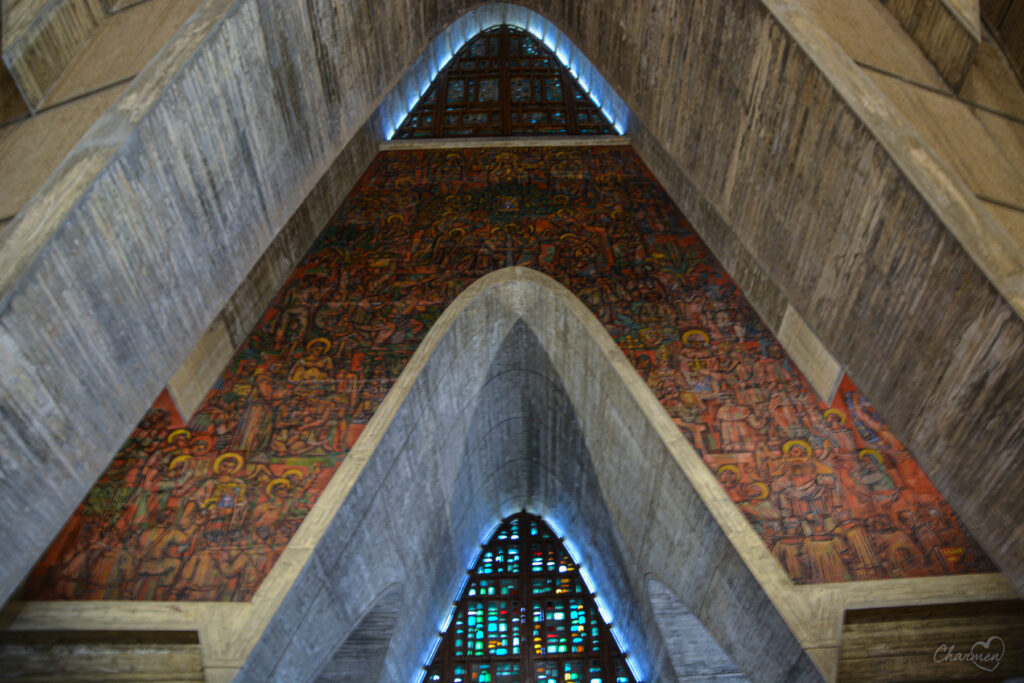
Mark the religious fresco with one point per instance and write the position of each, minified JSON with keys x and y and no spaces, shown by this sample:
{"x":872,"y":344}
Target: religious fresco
{"x":200,"y":511}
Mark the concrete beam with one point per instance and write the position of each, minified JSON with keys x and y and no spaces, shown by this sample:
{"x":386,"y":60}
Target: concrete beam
{"x":948,"y":31}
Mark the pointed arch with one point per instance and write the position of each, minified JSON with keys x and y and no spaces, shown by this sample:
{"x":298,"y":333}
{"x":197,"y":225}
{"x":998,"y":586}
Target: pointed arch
{"x":526,"y":611}
{"x":416,"y":81}
{"x":504,"y":82}
{"x":361,"y":656}
{"x":690,"y":649}
{"x":497,"y":411}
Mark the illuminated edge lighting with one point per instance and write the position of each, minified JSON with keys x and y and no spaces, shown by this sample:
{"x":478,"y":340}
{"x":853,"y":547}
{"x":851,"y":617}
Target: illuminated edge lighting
{"x":602,"y":607}
{"x":566,"y":59}
{"x":487,"y":536}
{"x":588,"y":581}
{"x":630,"y":659}
{"x":446,"y":621}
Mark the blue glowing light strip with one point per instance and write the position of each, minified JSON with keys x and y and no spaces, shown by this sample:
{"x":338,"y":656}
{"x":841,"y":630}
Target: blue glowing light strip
{"x":446,"y":56}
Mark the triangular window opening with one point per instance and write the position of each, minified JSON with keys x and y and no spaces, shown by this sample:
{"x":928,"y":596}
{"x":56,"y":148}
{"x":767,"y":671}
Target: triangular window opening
{"x":504,"y":82}
{"x":526,"y":616}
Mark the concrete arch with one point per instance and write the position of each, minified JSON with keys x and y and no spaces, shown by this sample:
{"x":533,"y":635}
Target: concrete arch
{"x":518,"y":398}
{"x":693,"y":653}
{"x":361,"y":656}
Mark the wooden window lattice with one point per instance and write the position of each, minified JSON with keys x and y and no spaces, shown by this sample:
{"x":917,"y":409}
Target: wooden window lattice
{"x":526,"y":616}
{"x":504,"y":82}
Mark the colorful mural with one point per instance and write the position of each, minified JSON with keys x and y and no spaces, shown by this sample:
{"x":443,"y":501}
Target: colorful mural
{"x":200,"y":511}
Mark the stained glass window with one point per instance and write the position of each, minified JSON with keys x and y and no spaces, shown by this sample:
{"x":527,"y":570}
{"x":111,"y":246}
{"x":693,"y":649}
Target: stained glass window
{"x":504,"y":82}
{"x":526,"y":616}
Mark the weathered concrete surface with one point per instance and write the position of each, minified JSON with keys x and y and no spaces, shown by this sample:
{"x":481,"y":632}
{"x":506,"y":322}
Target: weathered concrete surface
{"x":40,"y":38}
{"x":519,"y":399}
{"x":1006,"y":17}
{"x":834,"y":205}
{"x":694,"y":655}
{"x":196,"y":375}
{"x":949,"y":32}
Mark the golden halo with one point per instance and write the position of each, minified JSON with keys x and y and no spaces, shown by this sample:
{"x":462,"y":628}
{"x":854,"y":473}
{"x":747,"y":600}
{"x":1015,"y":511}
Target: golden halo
{"x":690,"y":334}
{"x":870,"y":452}
{"x":762,"y":487}
{"x":275,"y":483}
{"x":319,"y":340}
{"x":836,"y":411}
{"x":788,"y":446}
{"x":179,"y":459}
{"x":287,"y":473}
{"x":227,"y":456}
{"x":728,"y":468}
{"x":176,"y":432}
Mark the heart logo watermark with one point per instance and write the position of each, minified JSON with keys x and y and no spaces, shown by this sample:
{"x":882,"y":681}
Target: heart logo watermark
{"x":987,"y":656}
{"x":984,"y":654}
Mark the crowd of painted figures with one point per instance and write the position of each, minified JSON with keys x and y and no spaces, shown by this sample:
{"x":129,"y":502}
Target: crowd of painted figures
{"x":201,"y":511}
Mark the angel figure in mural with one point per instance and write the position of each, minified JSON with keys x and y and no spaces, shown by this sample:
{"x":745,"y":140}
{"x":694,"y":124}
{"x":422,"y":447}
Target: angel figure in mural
{"x":697,"y":363}
{"x":758,"y":507}
{"x":277,"y":506}
{"x":151,"y":486}
{"x":222,"y":497}
{"x":737,"y":424}
{"x":315,"y":366}
{"x":506,"y":170}
{"x":872,"y":475}
{"x":257,"y":422}
{"x":804,"y":487}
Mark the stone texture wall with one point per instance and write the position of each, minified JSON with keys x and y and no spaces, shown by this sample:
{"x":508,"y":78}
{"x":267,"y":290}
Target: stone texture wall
{"x":106,"y":279}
